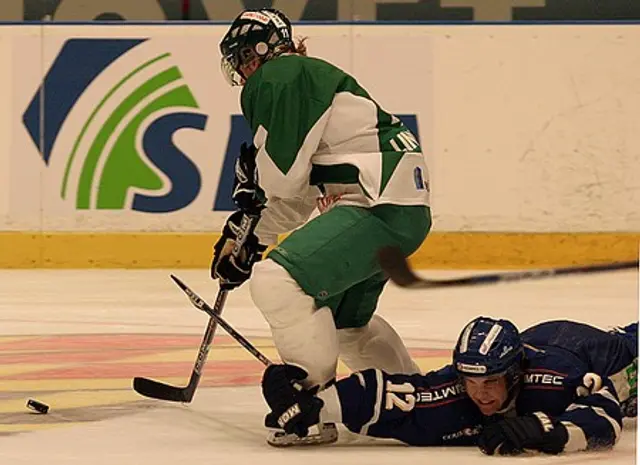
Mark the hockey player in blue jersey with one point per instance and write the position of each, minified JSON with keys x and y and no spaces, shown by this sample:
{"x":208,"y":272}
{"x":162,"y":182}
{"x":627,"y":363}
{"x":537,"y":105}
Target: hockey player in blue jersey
{"x":557,"y":387}
{"x":560,"y":386}
{"x":420,"y":410}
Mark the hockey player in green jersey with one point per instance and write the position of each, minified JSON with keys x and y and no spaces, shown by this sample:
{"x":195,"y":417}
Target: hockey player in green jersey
{"x":318,"y":135}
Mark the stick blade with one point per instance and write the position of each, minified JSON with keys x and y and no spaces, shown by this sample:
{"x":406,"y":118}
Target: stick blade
{"x":393,"y":262}
{"x":156,"y":390}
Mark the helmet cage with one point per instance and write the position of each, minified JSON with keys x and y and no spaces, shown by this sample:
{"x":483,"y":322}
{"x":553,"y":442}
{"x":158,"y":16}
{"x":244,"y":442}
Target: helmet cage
{"x":255,"y":35}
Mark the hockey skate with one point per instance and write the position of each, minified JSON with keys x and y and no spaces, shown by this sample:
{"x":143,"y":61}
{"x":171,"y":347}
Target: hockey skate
{"x":628,"y":377}
{"x":629,"y":407}
{"x":322,"y":433}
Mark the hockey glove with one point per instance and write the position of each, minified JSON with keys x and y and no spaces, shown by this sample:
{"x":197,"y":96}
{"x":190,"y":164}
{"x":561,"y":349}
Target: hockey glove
{"x":292,"y":409}
{"x":230,"y":270}
{"x":245,"y":184}
{"x":511,"y":436}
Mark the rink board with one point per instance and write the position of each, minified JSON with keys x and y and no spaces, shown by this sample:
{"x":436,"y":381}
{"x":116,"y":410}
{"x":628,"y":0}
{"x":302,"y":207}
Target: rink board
{"x":440,"y":250}
{"x":119,"y":140}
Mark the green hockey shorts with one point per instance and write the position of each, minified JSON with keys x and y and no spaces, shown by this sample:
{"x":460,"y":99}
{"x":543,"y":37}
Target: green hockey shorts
{"x":333,"y":258}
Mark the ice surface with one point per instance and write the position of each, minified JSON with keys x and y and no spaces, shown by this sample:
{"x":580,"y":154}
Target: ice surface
{"x":74,"y":339}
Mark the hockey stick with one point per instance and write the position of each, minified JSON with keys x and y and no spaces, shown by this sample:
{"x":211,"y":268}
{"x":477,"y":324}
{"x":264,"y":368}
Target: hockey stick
{"x":394,"y":263}
{"x":157,"y":390}
{"x":200,"y":304}
{"x":327,"y":432}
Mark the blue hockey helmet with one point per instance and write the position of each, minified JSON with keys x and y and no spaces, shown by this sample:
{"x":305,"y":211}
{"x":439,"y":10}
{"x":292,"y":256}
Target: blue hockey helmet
{"x":489,"y":347}
{"x":259,"y":34}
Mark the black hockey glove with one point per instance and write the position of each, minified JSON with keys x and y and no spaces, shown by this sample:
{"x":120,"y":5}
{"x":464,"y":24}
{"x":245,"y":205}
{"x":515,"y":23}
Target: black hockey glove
{"x":233,"y":271}
{"x":511,"y":436}
{"x":245,"y":184}
{"x":292,"y":409}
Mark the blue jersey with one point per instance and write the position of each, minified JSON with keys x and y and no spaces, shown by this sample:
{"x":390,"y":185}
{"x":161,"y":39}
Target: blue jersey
{"x":420,"y":410}
{"x":578,"y":375}
{"x":574,"y":373}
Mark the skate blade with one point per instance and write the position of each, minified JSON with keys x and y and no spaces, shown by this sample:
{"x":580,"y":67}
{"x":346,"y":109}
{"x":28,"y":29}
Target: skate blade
{"x":325,"y":434}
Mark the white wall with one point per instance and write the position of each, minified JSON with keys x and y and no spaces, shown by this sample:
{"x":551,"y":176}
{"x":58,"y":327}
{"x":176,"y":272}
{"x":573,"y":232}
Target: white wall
{"x":526,"y":128}
{"x":537,"y":128}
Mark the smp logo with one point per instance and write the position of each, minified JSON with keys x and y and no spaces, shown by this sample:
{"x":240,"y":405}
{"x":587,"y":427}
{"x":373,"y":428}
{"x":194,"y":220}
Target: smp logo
{"x":118,"y":152}
{"x":104,"y":121}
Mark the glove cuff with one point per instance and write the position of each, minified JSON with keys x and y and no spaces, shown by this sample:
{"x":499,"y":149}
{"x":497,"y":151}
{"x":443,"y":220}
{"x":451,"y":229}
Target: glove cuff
{"x":546,"y":423}
{"x":555,"y":434}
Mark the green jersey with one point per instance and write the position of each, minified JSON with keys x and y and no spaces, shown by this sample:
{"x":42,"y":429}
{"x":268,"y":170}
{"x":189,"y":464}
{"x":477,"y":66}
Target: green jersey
{"x":318,"y":131}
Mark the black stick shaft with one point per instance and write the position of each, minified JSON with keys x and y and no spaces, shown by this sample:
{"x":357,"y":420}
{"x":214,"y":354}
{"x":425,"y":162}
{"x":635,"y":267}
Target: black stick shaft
{"x":157,"y":390}
{"x":395,"y":264}
{"x":205,"y":346}
{"x":200,"y":304}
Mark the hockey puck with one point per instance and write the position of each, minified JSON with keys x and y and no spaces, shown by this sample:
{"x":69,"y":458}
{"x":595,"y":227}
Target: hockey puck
{"x":37,"y":406}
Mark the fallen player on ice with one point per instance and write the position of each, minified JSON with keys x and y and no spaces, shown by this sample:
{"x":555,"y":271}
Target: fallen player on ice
{"x":560,"y":386}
